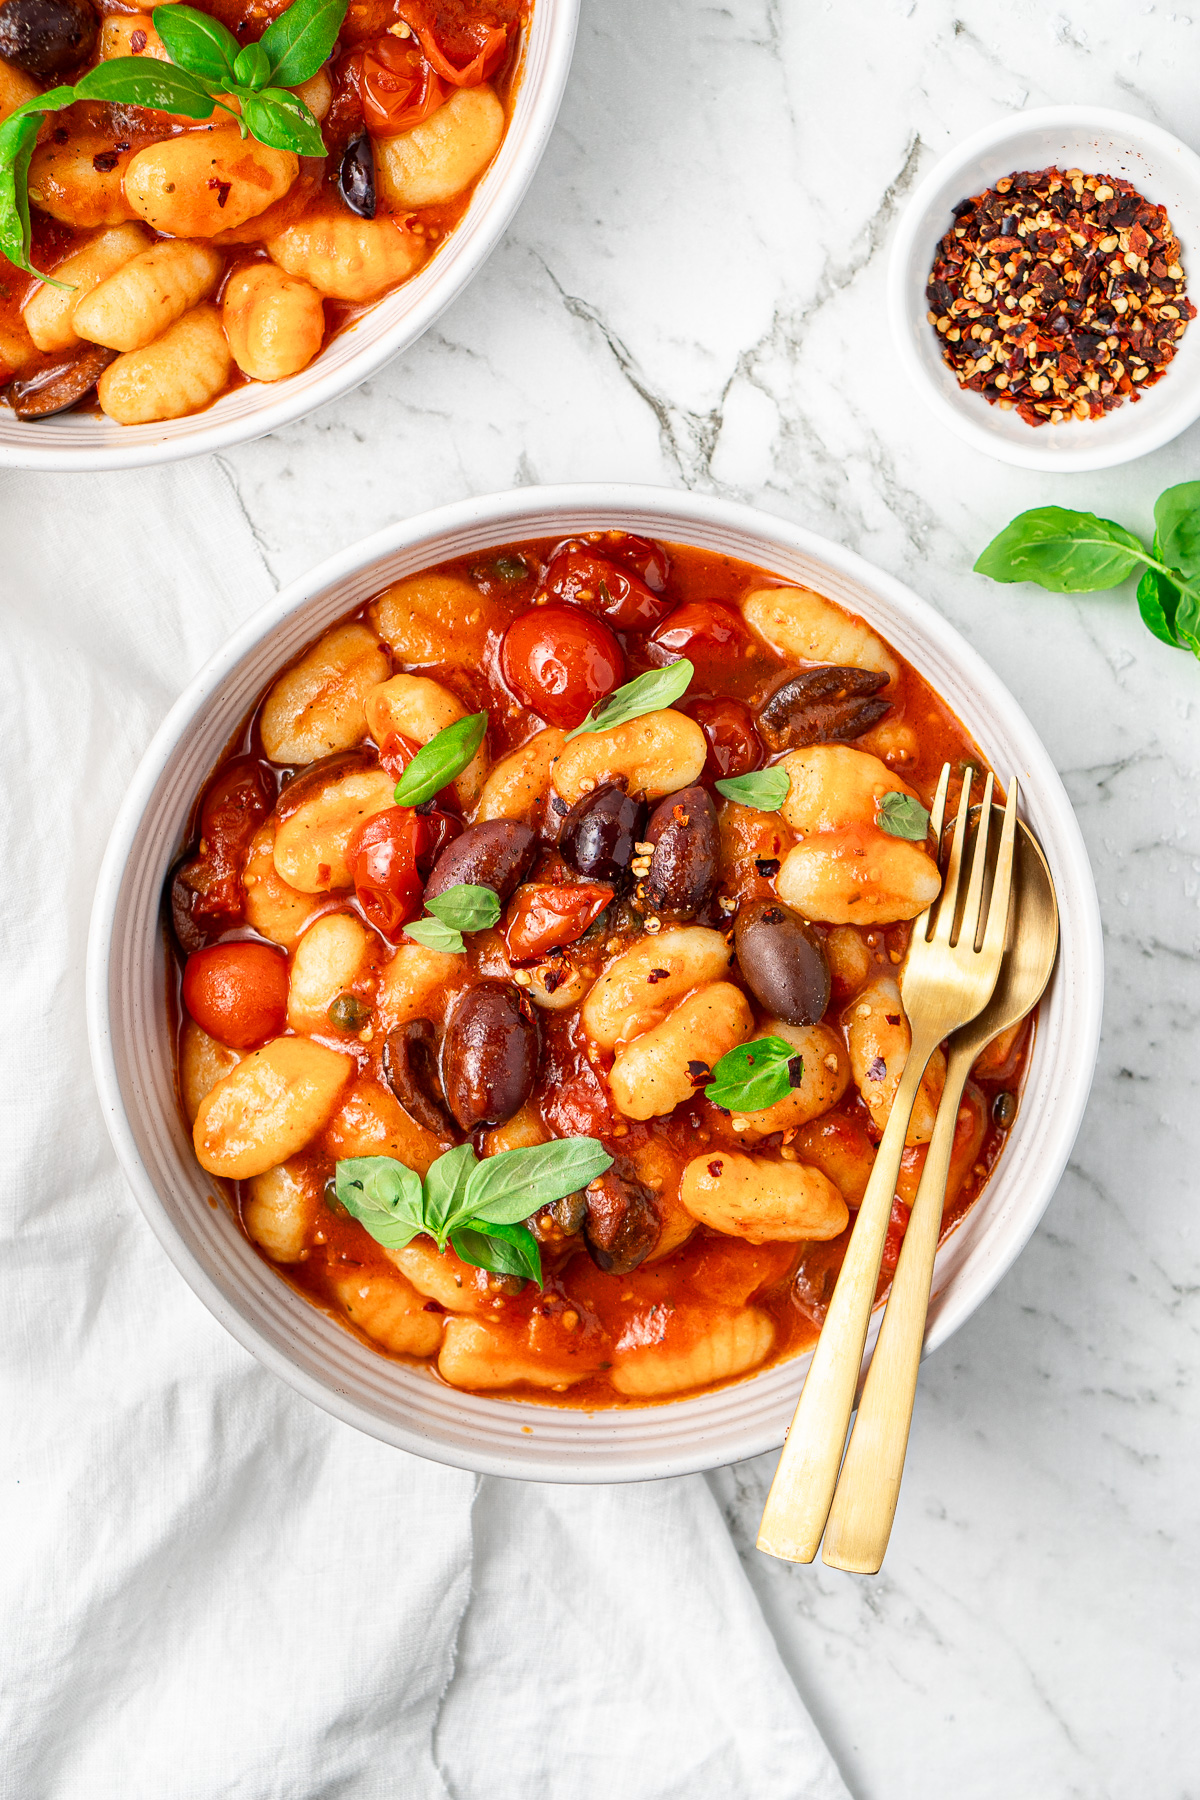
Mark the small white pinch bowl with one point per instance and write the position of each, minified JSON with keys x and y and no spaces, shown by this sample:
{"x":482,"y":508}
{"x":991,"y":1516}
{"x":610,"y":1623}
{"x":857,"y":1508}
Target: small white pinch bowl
{"x":130,"y":1041}
{"x":1098,"y":141}
{"x":89,"y":441}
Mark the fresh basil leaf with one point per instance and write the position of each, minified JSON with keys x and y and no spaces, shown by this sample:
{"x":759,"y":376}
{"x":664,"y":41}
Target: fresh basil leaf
{"x":445,"y":1180}
{"x":383,"y":1195}
{"x":18,"y":138}
{"x":765,"y":788}
{"x":1187,"y":623}
{"x":445,"y":755}
{"x":644,"y":694}
{"x":283,"y":122}
{"x":1177,"y":528}
{"x":1067,"y":552}
{"x":197,"y":42}
{"x":252,"y":67}
{"x":755,"y":1075}
{"x":436,"y":936}
{"x":1158,"y":603}
{"x":467,"y":907}
{"x":507,"y":1188}
{"x":500,"y":1249}
{"x":143,"y":81}
{"x":903,"y":817}
{"x":300,"y":39}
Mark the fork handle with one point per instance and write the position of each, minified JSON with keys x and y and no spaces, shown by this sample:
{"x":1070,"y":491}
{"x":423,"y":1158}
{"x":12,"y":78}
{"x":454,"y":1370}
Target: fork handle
{"x":798,"y":1503}
{"x":864,"y":1506}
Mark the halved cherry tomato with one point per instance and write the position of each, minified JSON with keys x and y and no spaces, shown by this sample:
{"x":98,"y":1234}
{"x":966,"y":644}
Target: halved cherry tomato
{"x":897,"y":1226}
{"x":207,"y":893}
{"x":543,"y":916}
{"x":396,"y":84}
{"x":382,"y":858}
{"x":237,"y":992}
{"x":560,"y":661}
{"x":577,"y":574}
{"x":436,"y":829}
{"x":734,"y":747}
{"x":487,"y":41}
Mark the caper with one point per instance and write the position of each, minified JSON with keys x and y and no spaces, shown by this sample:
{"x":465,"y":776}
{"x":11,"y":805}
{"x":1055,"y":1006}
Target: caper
{"x":569,"y":1213}
{"x":1004,"y":1109}
{"x":330,"y":1196}
{"x":510,"y":568}
{"x":348,"y":1013}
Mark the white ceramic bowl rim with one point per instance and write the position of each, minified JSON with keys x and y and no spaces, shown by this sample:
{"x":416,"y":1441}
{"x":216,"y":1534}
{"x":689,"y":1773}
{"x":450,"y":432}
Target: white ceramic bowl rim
{"x":407,"y":1406}
{"x":1166,"y":170}
{"x":393,"y":323}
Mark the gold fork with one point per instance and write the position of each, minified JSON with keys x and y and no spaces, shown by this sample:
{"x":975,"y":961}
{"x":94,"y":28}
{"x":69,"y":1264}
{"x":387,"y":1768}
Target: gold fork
{"x":947,"y":980}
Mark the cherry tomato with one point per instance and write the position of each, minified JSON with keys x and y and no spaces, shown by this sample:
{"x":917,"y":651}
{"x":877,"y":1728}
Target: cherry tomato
{"x":734,"y":747}
{"x":396,"y":84}
{"x":705,"y":631}
{"x":237,"y":992}
{"x":435,"y":829}
{"x":483,"y":44}
{"x":560,"y":661}
{"x":897,"y":1226}
{"x":382,"y":857}
{"x":207,"y":892}
{"x":543,"y":916}
{"x":577,"y":574}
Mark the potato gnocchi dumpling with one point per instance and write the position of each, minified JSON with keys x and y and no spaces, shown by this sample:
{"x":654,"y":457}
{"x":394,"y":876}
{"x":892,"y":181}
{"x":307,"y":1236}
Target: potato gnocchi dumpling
{"x":294,"y":243}
{"x":570,"y":937}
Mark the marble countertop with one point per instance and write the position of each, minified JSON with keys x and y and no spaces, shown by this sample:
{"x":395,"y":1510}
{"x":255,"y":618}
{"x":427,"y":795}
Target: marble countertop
{"x":693,"y":295}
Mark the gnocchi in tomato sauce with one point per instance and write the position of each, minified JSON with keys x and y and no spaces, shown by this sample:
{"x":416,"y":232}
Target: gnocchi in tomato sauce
{"x":184,"y":259}
{"x":645,"y":925}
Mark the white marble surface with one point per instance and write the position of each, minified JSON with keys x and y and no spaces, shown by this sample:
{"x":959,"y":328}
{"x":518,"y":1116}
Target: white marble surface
{"x":692,"y":294}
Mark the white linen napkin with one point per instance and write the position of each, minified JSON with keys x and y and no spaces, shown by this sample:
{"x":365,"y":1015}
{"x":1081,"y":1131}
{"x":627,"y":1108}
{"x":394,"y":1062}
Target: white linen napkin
{"x":210,"y":1588}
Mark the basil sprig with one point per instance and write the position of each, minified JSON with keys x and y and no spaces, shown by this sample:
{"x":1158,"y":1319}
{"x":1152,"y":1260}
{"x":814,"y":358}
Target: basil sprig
{"x":478,"y":1207}
{"x":1079,"y":553}
{"x":903,"y":817}
{"x":208,"y":67}
{"x":644,"y":694}
{"x":767,"y":789}
{"x":445,"y":755}
{"x":755,"y":1075}
{"x":464,"y":907}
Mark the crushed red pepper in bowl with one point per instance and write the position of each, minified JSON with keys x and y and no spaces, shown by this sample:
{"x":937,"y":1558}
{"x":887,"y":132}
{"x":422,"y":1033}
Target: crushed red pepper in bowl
{"x":1059,"y":294}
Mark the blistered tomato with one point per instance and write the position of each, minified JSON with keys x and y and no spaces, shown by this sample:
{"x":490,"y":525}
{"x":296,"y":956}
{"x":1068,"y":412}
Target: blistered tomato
{"x":706,"y":632}
{"x":560,"y":661}
{"x":544,"y":916}
{"x":579,"y":575}
{"x":207,"y":892}
{"x":382,"y":858}
{"x":237,"y":992}
{"x":734,"y":747}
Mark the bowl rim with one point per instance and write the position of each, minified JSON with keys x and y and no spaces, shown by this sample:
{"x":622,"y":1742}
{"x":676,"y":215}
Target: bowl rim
{"x":679,"y":513}
{"x":904,"y":309}
{"x":476,"y":235}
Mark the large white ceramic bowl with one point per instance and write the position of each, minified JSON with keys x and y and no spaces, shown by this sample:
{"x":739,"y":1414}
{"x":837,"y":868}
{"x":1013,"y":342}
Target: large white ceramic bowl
{"x":130,"y":1040}
{"x":71,"y":441}
{"x":1098,"y":141}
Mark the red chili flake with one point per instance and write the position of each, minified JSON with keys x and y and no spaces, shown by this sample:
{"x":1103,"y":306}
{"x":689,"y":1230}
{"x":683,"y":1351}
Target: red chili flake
{"x":222,"y":188}
{"x":137,"y":42}
{"x":656,"y":975}
{"x":1059,"y":294}
{"x":104,"y":162}
{"x":767,"y":866}
{"x":715,"y":1167}
{"x":698,"y":1072}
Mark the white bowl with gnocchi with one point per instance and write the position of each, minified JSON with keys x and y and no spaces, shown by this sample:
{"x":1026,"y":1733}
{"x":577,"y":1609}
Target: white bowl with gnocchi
{"x":508,"y":1058}
{"x":203,"y":287}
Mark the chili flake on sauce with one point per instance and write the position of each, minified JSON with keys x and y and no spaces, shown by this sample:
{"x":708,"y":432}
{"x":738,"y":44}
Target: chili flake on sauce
{"x":1058,"y":293}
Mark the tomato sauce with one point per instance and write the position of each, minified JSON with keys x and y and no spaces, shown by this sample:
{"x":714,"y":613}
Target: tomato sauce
{"x":584,"y":1318}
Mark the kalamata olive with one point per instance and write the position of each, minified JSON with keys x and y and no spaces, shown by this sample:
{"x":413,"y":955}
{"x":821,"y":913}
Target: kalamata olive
{"x":47,"y":37}
{"x":600,"y":833}
{"x":826,"y":705}
{"x":782,"y":961}
{"x":65,"y":383}
{"x":622,"y":1223}
{"x":497,"y":855}
{"x":683,"y":864}
{"x":356,"y":177}
{"x":489,"y":1056}
{"x":410,"y":1070}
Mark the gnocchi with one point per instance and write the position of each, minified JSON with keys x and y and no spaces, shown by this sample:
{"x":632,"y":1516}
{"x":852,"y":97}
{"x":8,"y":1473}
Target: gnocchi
{"x":179,"y":373}
{"x":207,"y":181}
{"x":348,"y":258}
{"x":444,"y":154}
{"x":80,"y":183}
{"x":804,"y":627}
{"x":146,"y":294}
{"x":275,"y":322}
{"x":633,"y":940}
{"x":318,"y":706}
{"x":49,"y":313}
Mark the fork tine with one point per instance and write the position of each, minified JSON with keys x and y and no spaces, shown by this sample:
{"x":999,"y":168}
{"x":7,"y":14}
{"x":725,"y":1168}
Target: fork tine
{"x":996,"y":932}
{"x":937,"y":814}
{"x":949,"y":901}
{"x":969,"y":930}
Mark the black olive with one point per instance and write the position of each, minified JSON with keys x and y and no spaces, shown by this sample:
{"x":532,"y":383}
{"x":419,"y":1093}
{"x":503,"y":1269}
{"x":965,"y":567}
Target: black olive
{"x":47,"y":37}
{"x":683,"y":864}
{"x":600,"y":833}
{"x":782,"y":962}
{"x":826,"y":705}
{"x":622,"y":1224}
{"x":65,"y":383}
{"x":1004,"y":1109}
{"x":356,"y":177}
{"x":496,"y":854}
{"x":410,"y":1070}
{"x":489,"y":1056}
